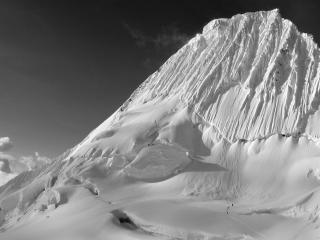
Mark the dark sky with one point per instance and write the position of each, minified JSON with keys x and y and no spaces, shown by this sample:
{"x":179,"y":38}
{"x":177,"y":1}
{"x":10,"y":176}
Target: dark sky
{"x":65,"y":66}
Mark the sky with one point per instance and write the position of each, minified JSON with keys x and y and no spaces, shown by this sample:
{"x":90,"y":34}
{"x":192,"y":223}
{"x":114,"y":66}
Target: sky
{"x":66,"y":65}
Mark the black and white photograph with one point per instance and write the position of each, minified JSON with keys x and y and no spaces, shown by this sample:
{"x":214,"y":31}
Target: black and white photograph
{"x":159,"y":120}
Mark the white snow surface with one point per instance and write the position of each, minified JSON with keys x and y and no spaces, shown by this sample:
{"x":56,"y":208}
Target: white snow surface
{"x":249,"y":77}
{"x":222,"y":142}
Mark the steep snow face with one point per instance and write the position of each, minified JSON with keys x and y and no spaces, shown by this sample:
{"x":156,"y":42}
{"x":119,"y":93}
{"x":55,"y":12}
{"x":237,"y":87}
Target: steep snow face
{"x":191,"y":154}
{"x":249,"y":77}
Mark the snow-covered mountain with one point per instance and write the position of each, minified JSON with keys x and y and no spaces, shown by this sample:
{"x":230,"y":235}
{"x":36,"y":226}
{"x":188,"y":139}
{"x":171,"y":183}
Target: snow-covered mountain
{"x":220,"y":143}
{"x":249,"y":77}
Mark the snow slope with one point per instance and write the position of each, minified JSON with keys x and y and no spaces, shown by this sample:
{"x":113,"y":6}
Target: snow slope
{"x":249,"y":77}
{"x":220,"y":143}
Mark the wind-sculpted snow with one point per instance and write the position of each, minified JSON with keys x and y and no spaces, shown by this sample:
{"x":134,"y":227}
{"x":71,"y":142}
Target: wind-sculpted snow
{"x":220,"y":143}
{"x":249,"y":76}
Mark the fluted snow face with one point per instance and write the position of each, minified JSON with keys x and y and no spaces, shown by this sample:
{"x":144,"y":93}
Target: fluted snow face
{"x":249,"y":76}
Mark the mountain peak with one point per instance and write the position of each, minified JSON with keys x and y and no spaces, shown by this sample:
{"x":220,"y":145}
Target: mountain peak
{"x":247,"y":77}
{"x":219,"y":134}
{"x":261,"y":15}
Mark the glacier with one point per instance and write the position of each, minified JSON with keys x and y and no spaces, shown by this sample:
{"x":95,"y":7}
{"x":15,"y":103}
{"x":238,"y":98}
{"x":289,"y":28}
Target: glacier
{"x":222,"y":142}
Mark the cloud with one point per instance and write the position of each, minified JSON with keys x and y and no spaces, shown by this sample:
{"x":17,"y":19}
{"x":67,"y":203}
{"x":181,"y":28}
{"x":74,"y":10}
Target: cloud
{"x":162,"y":45}
{"x":6,"y":156}
{"x":5,"y":160}
{"x":6,"y":173}
{"x":140,"y":38}
{"x":9,"y":163}
{"x":5,"y":144}
{"x":35,"y":161}
{"x":171,"y":37}
{"x":168,"y":37}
